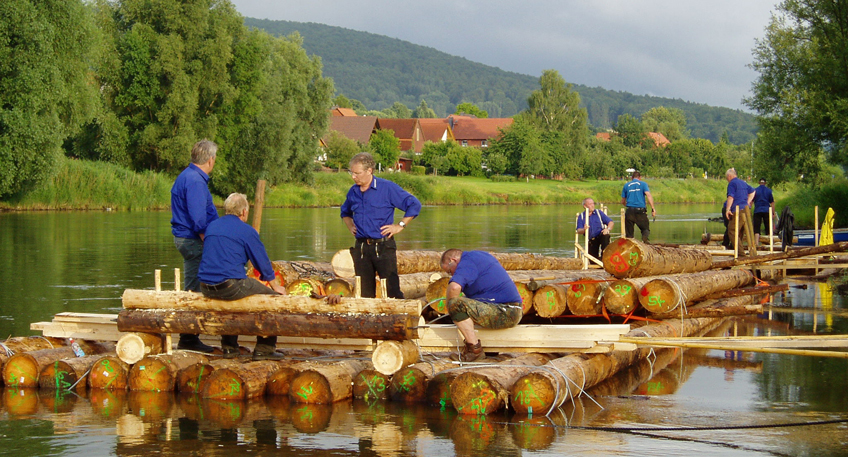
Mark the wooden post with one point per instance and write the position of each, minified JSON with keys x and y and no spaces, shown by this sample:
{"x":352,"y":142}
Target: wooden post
{"x":576,"y":236}
{"x":623,"y":233}
{"x":258,"y":204}
{"x":816,"y":226}
{"x":157,"y":280}
{"x":586,"y":239}
{"x":383,"y":293}
{"x":771,"y":231}
{"x":738,"y":239}
{"x":177,"y":285}
{"x":357,"y":288}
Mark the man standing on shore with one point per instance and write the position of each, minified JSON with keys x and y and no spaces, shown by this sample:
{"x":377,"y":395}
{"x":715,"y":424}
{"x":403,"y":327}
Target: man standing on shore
{"x":634,"y":195}
{"x":763,"y":206}
{"x":191,"y":212}
{"x":368,"y":212}
{"x":739,"y":194}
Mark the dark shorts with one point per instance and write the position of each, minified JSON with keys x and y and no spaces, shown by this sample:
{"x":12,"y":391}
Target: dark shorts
{"x":487,"y":315}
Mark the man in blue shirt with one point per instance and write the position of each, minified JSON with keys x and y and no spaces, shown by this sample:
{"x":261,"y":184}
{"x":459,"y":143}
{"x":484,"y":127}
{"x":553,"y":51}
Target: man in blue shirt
{"x":229,"y":243}
{"x":368,"y":212}
{"x":600,"y":226}
{"x":491,"y":299}
{"x":740,"y":194}
{"x":634,"y":195}
{"x":763,"y":206}
{"x":191,"y":212}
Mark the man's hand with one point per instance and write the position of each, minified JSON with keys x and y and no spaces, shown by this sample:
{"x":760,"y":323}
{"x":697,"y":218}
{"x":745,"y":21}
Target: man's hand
{"x":334,"y":299}
{"x":390,"y":230}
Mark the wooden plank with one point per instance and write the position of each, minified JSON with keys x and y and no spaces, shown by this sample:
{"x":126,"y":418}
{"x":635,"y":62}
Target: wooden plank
{"x":762,"y":342}
{"x":85,"y":317}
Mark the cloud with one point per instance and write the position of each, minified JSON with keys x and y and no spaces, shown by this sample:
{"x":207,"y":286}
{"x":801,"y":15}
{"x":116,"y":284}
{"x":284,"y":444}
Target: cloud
{"x":696,"y":51}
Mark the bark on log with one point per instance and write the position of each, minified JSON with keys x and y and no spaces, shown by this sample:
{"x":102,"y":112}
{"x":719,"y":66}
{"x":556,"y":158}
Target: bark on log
{"x":133,"y":347}
{"x":12,"y":346}
{"x":22,"y":370}
{"x":239,"y":382}
{"x":550,"y":300}
{"x":628,"y":258}
{"x":390,"y":356}
{"x":662,"y":295}
{"x":733,"y":306}
{"x":371,"y":385}
{"x":279,"y":382}
{"x":191,"y":378}
{"x":64,"y":373}
{"x":584,"y":297}
{"x":540,"y":391}
{"x":190,"y":301}
{"x":428,"y":261}
{"x":410,"y":383}
{"x":109,"y":373}
{"x":158,"y":373}
{"x":836,"y":247}
{"x":758,"y":290}
{"x":413,"y":285}
{"x":326,"y":383}
{"x":486,"y":390}
{"x":373,"y":326}
{"x":439,"y":386}
{"x":287,"y":272}
{"x":622,"y":295}
{"x":629,"y":379}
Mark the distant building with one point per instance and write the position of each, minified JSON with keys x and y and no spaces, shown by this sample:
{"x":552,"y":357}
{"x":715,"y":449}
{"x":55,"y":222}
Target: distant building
{"x":357,"y":128}
{"x":342,"y":112}
{"x":436,"y":130}
{"x":478,"y":133}
{"x":408,"y":131}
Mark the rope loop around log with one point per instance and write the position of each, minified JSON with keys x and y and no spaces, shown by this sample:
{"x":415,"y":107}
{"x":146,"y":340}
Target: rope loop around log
{"x":9,"y":352}
{"x":48,"y":341}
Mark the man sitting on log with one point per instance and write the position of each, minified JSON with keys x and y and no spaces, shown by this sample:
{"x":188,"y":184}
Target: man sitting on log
{"x":600,"y":226}
{"x":491,"y":299}
{"x":230,"y":242}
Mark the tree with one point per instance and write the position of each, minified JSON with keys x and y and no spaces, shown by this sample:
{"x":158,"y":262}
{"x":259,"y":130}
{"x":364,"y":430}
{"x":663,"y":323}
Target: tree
{"x":46,"y":49}
{"x":464,"y":160}
{"x":671,"y":122}
{"x":801,"y":93}
{"x":423,"y":111}
{"x":398,"y":111}
{"x":471,"y":109}
{"x":385,"y":146}
{"x":342,"y":102}
{"x":340,"y":149}
{"x":632,"y":132}
{"x":556,"y":108}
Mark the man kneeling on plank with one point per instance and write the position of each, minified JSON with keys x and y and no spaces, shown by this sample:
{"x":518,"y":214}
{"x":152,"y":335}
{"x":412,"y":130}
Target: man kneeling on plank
{"x":491,"y":299}
{"x":230,"y":242}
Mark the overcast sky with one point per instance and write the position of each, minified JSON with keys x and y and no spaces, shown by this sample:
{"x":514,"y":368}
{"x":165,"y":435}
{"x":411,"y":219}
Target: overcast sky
{"x":692,"y":50}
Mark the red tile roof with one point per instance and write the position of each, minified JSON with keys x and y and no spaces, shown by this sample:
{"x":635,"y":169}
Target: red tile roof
{"x":471,"y":128}
{"x":659,"y":139}
{"x":357,"y":128}
{"x":342,"y":112}
{"x":436,"y":130}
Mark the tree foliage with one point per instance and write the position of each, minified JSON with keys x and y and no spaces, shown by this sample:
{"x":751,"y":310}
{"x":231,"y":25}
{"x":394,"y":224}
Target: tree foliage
{"x":471,"y":109}
{"x":340,"y":149}
{"x":671,"y":122}
{"x":801,"y":93}
{"x":46,"y":90}
{"x":423,"y":111}
{"x":385,"y":146}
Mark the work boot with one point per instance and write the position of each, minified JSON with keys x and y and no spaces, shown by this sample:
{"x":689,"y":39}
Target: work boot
{"x":189,"y":342}
{"x":470,"y":353}
{"x":230,"y":352}
{"x":266,"y":352}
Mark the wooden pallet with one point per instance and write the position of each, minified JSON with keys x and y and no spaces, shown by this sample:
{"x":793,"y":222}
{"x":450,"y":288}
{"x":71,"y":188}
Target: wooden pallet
{"x":432,"y":338}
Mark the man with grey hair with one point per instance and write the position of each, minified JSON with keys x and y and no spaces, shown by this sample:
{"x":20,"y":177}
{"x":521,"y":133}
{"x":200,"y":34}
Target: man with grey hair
{"x":192,"y":211}
{"x":600,"y":226}
{"x":229,"y":243}
{"x":368,"y":212}
{"x":739,"y":198}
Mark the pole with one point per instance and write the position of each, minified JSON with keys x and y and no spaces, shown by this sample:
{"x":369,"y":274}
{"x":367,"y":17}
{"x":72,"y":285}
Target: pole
{"x":258,"y":204}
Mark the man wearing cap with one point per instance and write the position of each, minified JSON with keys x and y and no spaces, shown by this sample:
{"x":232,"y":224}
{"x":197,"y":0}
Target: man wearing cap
{"x":600,"y":226}
{"x":739,"y":195}
{"x":368,"y":212}
{"x":763,"y":206}
{"x":634,"y":195}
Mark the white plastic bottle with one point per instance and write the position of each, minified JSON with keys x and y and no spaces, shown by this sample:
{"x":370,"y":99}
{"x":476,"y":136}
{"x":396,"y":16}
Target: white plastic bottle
{"x":76,"y":347}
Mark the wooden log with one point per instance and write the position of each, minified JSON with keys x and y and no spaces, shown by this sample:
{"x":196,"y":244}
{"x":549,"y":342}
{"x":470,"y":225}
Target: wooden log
{"x":239,"y":382}
{"x":373,"y":326}
{"x":550,"y":300}
{"x":109,"y":373}
{"x":549,"y":387}
{"x":628,"y":258}
{"x":158,"y":373}
{"x":413,"y":285}
{"x":191,"y":378}
{"x":133,"y":347}
{"x":629,"y":379}
{"x":486,"y":390}
{"x":190,"y":301}
{"x":279,"y":382}
{"x":732,"y":306}
{"x":583,"y":297}
{"x":438,"y":390}
{"x":390,"y":356}
{"x":64,"y":373}
{"x":758,"y":290}
{"x":410,"y":383}
{"x":286,"y":271}
{"x":12,"y":346}
{"x":526,"y":297}
{"x":622,"y":295}
{"x":20,"y":401}
{"x":518,"y":261}
{"x":340,"y":287}
{"x":435,"y":295}
{"x":371,"y":385}
{"x":305,"y":287}
{"x":662,"y":295}
{"x":795,"y":253}
{"x":22,"y":370}
{"x":326,"y":383}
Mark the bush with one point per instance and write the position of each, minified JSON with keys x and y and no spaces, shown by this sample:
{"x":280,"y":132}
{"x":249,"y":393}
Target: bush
{"x":503,"y":178}
{"x":419,"y":170}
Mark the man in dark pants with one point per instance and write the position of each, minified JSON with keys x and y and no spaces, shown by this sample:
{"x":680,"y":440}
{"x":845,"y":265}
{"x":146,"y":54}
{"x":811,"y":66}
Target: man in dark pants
{"x":191,"y":212}
{"x":600,"y":226}
{"x":368,"y":212}
{"x":491,"y":299}
{"x":230,"y":242}
{"x":634,"y":194}
{"x":763,"y":206}
{"x":739,"y":196}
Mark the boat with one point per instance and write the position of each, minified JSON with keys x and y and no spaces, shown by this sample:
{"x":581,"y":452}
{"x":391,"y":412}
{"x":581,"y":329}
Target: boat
{"x":807,"y":237}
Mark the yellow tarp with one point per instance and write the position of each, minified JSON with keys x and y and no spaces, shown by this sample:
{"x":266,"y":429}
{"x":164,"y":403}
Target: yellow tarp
{"x":827,"y":228}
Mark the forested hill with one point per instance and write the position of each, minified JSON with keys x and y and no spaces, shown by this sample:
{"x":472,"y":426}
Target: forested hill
{"x":379,"y":71}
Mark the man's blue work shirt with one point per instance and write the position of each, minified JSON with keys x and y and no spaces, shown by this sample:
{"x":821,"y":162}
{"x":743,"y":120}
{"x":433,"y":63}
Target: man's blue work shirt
{"x":375,"y":207}
{"x":739,"y":190}
{"x":763,"y":198}
{"x":191,"y":203}
{"x":483,"y":278}
{"x":597,"y":222}
{"x":228,"y":245}
{"x":634,"y":192}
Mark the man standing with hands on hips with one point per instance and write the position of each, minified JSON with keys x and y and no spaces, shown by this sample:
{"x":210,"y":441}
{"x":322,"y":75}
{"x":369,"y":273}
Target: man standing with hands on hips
{"x":634,"y":195}
{"x":600,"y":226}
{"x":368,"y":212}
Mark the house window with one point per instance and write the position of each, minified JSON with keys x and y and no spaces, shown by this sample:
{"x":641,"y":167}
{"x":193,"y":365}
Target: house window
{"x":484,"y":144}
{"x":464,"y":143}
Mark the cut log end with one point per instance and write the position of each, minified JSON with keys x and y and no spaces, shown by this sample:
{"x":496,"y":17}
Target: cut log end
{"x":135,"y":346}
{"x":474,"y":394}
{"x":310,"y":386}
{"x":225,"y":385}
{"x":109,"y":373}
{"x":408,"y":385}
{"x":550,"y":300}
{"x":151,"y":375}
{"x":533,"y":393}
{"x":371,"y":385}
{"x":391,"y":356}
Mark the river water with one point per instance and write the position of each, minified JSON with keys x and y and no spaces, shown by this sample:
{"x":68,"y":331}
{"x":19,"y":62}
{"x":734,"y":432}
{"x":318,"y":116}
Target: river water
{"x":708,"y":401}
